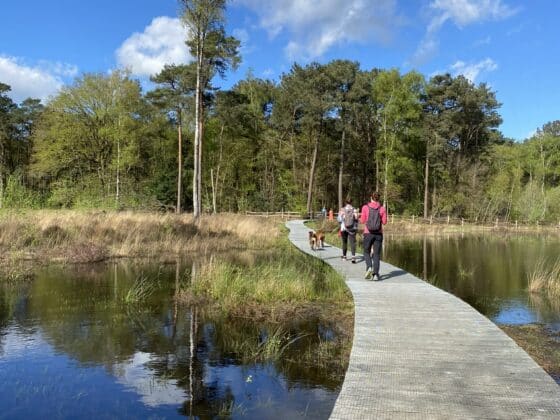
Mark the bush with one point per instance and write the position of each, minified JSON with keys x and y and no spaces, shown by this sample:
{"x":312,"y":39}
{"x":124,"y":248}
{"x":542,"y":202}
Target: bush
{"x":17,"y":195}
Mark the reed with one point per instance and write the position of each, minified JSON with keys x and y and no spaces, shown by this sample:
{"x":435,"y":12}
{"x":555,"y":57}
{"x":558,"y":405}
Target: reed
{"x":545,"y":278}
{"x":142,"y":288}
{"x":284,"y":279}
{"x":88,"y":236}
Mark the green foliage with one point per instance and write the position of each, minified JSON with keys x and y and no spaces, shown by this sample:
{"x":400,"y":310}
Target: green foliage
{"x":323,"y":132}
{"x":17,"y":195}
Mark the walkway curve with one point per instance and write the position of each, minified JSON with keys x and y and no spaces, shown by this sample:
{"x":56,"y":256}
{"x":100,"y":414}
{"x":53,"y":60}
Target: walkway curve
{"x":421,"y":353}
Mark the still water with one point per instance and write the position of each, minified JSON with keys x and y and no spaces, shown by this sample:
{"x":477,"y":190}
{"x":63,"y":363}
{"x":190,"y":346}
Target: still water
{"x":79,"y":343}
{"x":490,"y":272}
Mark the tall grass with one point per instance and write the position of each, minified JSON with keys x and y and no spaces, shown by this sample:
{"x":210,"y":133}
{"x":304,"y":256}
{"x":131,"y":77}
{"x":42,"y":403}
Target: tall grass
{"x":287,"y":278}
{"x":142,"y":288}
{"x":545,"y":278}
{"x":86,"y":236}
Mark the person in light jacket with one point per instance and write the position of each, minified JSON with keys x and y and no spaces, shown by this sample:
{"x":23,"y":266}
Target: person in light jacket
{"x":348,"y":219}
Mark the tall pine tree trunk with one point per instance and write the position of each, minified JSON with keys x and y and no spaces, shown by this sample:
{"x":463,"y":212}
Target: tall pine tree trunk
{"x":312,"y":175}
{"x":426,"y":184}
{"x":197,"y":132}
{"x":179,"y":162}
{"x":341,"y":169}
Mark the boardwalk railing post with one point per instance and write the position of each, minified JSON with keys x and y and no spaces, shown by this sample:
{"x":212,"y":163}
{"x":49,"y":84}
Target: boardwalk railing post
{"x":412,"y":219}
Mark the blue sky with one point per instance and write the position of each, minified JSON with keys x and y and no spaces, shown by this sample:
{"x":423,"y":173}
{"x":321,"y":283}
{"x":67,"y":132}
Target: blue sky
{"x":512,"y":45}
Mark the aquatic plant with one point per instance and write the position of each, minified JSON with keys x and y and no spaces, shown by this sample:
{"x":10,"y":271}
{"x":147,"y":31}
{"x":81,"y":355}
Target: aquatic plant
{"x":142,"y":288}
{"x":545,"y":278}
{"x":285,"y":278}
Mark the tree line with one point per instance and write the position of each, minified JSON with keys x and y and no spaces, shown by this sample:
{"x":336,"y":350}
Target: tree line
{"x":321,"y":133}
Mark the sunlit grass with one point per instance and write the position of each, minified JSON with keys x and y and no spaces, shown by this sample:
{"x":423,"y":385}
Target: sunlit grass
{"x":545,"y":278}
{"x":289,"y":277}
{"x":80,"y":236}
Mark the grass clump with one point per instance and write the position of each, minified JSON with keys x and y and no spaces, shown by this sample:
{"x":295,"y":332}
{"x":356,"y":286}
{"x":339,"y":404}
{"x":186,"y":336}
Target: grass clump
{"x":142,"y":288}
{"x":281,"y":280}
{"x":545,"y":278}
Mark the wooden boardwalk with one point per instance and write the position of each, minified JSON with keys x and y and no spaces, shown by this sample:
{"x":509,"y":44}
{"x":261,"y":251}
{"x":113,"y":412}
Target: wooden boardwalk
{"x":421,"y":353}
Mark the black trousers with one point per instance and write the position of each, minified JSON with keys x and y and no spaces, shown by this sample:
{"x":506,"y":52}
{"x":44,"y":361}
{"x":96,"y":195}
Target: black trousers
{"x":348,"y":237}
{"x":373,"y":241}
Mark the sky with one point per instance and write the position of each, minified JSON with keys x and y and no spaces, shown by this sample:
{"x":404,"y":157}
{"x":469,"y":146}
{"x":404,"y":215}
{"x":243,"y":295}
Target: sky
{"x":511,"y":45}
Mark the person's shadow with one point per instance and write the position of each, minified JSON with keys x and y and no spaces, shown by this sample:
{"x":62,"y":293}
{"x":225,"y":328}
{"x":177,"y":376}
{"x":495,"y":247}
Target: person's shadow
{"x":391,"y":274}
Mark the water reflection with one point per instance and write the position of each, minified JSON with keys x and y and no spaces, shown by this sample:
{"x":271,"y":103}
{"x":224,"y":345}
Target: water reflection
{"x":77,"y":344}
{"x":487,"y":271}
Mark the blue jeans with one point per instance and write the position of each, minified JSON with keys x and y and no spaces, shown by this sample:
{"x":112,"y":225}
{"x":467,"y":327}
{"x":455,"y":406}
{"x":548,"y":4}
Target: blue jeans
{"x":373,"y":241}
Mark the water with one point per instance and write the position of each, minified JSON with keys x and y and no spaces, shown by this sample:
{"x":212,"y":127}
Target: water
{"x":490,"y":272}
{"x":72,"y":347}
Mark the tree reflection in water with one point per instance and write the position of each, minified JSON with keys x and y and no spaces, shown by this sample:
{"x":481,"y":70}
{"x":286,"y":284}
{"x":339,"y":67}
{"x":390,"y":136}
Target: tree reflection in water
{"x":159,"y":357}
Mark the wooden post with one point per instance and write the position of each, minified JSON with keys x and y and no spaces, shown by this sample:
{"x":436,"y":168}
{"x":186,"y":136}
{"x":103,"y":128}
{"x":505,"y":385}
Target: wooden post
{"x":392,"y":218}
{"x":462,"y":222}
{"x":447,"y":219}
{"x":431,"y":219}
{"x":412,"y":219}
{"x":515,"y":224}
{"x":496,"y":225}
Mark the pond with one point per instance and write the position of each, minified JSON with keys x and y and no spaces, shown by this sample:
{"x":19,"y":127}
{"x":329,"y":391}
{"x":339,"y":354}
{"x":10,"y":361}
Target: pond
{"x":490,"y":272}
{"x":88,"y":342}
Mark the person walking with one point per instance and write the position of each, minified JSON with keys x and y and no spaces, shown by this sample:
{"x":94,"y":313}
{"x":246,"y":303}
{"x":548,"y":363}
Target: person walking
{"x":373,"y":216}
{"x":348,"y":219}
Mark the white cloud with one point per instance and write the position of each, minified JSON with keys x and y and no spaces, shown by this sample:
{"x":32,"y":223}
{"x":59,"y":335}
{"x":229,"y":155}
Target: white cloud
{"x":465,"y":12}
{"x":462,"y":13}
{"x":473,"y":70}
{"x":162,"y":42}
{"x":315,"y":26}
{"x":38,"y":81}
{"x":243,"y":36}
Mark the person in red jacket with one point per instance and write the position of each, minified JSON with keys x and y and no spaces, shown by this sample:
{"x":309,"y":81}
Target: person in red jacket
{"x":373,"y":216}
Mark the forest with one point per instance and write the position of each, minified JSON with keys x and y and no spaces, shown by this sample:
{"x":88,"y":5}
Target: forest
{"x":321,"y":133}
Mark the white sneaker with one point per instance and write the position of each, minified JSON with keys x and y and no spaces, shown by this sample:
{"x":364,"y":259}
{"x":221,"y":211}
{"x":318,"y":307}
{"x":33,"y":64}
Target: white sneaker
{"x":369,"y":272}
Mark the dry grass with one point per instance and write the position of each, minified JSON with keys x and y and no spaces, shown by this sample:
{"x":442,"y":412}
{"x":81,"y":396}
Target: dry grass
{"x":545,"y":278}
{"x":81,"y":237}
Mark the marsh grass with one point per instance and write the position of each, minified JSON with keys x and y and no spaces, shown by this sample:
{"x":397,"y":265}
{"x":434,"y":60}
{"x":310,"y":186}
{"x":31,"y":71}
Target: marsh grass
{"x":545,"y":278}
{"x":89,"y":236}
{"x":141,"y":289}
{"x":281,"y":281}
{"x":15,"y":273}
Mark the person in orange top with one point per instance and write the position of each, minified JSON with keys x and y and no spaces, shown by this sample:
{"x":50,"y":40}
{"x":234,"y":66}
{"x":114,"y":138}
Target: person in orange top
{"x":373,"y":216}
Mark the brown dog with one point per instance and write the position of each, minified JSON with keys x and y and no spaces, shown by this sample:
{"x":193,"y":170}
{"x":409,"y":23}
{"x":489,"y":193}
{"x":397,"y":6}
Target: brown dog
{"x":312,"y":240}
{"x":320,"y":238}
